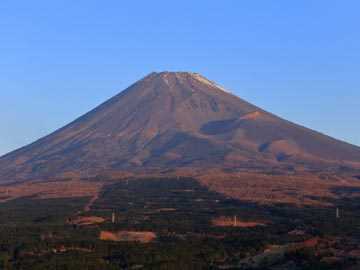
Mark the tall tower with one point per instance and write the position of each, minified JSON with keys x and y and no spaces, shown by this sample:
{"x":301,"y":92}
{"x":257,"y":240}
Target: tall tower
{"x":337,"y":213}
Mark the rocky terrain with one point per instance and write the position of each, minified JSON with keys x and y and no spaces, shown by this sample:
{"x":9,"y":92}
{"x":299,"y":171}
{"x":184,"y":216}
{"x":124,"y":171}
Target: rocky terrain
{"x":173,"y":121}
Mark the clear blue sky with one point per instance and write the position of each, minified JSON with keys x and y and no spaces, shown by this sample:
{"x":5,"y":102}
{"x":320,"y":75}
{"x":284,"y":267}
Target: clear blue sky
{"x":298,"y":59}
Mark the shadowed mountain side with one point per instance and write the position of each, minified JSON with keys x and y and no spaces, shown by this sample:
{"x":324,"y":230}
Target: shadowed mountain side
{"x":174,"y":120}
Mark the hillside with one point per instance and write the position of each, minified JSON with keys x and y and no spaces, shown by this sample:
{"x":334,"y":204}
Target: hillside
{"x":174,"y":120}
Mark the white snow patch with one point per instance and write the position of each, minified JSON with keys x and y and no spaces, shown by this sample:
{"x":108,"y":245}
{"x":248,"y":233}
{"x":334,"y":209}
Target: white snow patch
{"x":208,"y":82}
{"x":165,"y":78}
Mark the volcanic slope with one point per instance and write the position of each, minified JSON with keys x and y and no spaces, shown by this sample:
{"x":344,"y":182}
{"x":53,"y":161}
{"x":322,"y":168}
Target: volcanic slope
{"x":172,"y":121}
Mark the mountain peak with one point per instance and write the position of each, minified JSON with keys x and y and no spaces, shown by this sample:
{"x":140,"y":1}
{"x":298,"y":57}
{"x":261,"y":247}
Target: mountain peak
{"x":172,"y":120}
{"x":174,"y":73}
{"x":185,"y":77}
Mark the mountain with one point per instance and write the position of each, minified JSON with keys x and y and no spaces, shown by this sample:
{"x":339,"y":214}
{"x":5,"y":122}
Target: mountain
{"x":176,"y":120}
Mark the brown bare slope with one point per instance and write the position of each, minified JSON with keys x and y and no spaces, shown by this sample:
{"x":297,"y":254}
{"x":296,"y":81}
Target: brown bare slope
{"x":173,"y":120}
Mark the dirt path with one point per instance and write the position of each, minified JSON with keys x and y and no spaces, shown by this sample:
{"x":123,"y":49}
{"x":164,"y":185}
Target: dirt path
{"x":87,"y":207}
{"x":272,"y":255}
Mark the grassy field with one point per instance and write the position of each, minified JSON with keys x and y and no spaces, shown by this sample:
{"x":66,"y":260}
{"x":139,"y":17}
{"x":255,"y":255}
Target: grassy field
{"x":179,"y":216}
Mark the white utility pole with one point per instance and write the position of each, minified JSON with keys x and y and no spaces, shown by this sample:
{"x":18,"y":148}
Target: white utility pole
{"x":113,"y":218}
{"x":337,"y":212}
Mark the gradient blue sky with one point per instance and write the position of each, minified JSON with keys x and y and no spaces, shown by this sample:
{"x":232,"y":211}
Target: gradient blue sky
{"x":298,"y":59}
